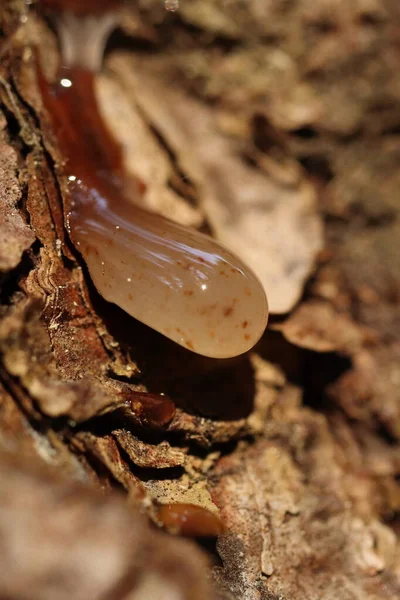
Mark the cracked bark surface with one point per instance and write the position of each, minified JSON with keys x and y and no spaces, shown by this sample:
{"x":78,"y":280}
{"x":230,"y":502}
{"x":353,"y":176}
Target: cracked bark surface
{"x":295,"y":446}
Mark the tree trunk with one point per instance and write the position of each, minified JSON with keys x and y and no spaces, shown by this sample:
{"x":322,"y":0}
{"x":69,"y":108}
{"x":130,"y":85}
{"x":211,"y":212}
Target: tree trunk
{"x":254,"y":121}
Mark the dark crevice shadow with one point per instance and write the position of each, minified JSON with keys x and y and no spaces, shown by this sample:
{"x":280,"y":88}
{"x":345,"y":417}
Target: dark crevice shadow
{"x":103,"y":473}
{"x":321,"y":371}
{"x":221,"y":389}
{"x":313,"y":371}
{"x":10,"y":280}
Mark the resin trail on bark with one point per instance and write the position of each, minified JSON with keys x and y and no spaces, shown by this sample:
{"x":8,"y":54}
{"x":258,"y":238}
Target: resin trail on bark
{"x":172,"y":278}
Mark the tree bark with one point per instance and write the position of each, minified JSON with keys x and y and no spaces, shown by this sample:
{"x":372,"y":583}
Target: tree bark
{"x":281,"y":115}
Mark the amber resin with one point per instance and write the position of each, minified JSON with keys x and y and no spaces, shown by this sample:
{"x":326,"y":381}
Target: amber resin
{"x":172,"y":278}
{"x":189,"y":520}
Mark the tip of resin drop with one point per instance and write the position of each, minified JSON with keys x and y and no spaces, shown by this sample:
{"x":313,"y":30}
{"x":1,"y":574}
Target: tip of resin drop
{"x":176,"y":280}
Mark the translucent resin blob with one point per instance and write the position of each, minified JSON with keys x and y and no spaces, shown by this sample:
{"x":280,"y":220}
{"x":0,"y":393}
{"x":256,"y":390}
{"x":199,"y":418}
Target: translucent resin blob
{"x":174,"y":279}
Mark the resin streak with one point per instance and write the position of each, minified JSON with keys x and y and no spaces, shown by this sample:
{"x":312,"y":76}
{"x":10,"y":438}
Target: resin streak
{"x":174,"y":279}
{"x":80,"y":7}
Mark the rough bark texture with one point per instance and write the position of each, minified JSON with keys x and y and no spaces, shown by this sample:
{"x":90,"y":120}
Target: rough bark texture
{"x":290,"y":109}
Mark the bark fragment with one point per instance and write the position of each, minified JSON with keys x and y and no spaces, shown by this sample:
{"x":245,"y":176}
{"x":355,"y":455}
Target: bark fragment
{"x":80,"y":554}
{"x":17,"y":236}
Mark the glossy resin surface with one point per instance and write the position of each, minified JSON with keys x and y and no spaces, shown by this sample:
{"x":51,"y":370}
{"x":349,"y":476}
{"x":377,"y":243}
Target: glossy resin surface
{"x":174,"y":279}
